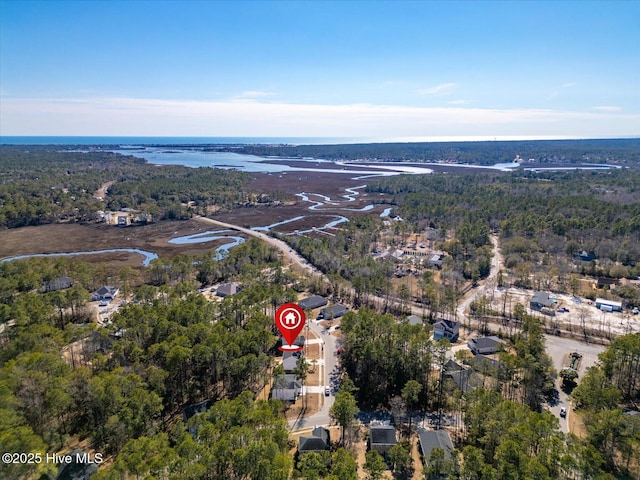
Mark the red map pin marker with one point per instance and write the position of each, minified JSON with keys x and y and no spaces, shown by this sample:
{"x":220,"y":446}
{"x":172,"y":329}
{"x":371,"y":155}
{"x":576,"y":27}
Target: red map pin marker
{"x":290,"y":319}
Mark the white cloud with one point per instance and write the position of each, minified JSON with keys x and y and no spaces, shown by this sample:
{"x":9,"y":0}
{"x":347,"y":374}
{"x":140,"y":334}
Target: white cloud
{"x":568,"y":85}
{"x":458,"y":102}
{"x":153,"y":117}
{"x":442,"y":89}
{"x":253,"y":95}
{"x":608,"y":109}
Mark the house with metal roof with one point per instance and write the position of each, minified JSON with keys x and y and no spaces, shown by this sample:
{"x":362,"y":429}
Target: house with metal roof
{"x":608,"y":305}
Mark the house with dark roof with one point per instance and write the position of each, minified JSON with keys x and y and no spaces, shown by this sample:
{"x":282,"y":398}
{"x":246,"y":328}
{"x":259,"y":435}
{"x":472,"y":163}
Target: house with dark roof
{"x":195,"y":408}
{"x":486,"y":365}
{"x":382,"y":438}
{"x":449,"y":329}
{"x":60,"y":283}
{"x":80,"y":466}
{"x":286,"y":387}
{"x":541,"y":300}
{"x":334,"y":311}
{"x":290,"y":359}
{"x":432,"y":439}
{"x":105,"y":293}
{"x":227,"y":289}
{"x":314,"y":301}
{"x":466,"y":380}
{"x":607,"y":283}
{"x":318,"y":441}
{"x":484,"y":345}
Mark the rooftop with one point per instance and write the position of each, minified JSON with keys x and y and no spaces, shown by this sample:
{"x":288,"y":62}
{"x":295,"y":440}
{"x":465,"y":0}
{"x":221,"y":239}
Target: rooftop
{"x":383,"y":435}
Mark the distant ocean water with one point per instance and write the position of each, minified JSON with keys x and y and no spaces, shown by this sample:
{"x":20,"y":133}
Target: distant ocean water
{"x":101,"y":140}
{"x":15,"y":140}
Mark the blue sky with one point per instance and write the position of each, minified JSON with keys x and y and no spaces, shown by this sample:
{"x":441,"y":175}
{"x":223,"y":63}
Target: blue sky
{"x":421,"y":69}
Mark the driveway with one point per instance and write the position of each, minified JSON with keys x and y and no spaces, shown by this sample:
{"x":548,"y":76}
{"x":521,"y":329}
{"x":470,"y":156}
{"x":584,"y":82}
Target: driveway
{"x":558,"y":348}
{"x":330,"y":365}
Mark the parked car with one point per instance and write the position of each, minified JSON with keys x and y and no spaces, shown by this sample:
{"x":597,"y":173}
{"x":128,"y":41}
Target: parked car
{"x":327,"y":391}
{"x":563,"y":412}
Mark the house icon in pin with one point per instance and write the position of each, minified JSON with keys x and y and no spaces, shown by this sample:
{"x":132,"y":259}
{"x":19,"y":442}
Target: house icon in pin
{"x":290,"y":319}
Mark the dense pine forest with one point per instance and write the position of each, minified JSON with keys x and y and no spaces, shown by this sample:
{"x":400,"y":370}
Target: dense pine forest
{"x":616,"y":151}
{"x":121,"y":388}
{"x":45,"y":184}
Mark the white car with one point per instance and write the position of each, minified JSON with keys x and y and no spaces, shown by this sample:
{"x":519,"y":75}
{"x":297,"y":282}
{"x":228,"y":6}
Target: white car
{"x":327,"y":391}
{"x":563,"y":412}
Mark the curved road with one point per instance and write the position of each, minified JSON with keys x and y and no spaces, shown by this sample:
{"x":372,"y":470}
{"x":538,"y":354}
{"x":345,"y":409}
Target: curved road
{"x":293,"y":256}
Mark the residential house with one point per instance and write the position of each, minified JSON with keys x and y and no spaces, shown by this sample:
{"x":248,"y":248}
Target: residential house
{"x":448,"y":329}
{"x":541,"y":300}
{"x":105,"y":293}
{"x":382,"y":438}
{"x":286,"y":387}
{"x":585,"y":256}
{"x":290,"y":359}
{"x":607,"y":283}
{"x":298,"y":342}
{"x":466,"y":380}
{"x":485,"y":365}
{"x":484,"y":345}
{"x":435,"y":260}
{"x":432,"y":439}
{"x":314,"y":301}
{"x":77,"y":465}
{"x":317,"y":442}
{"x":334,"y":311}
{"x":195,"y":408}
{"x":227,"y":289}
